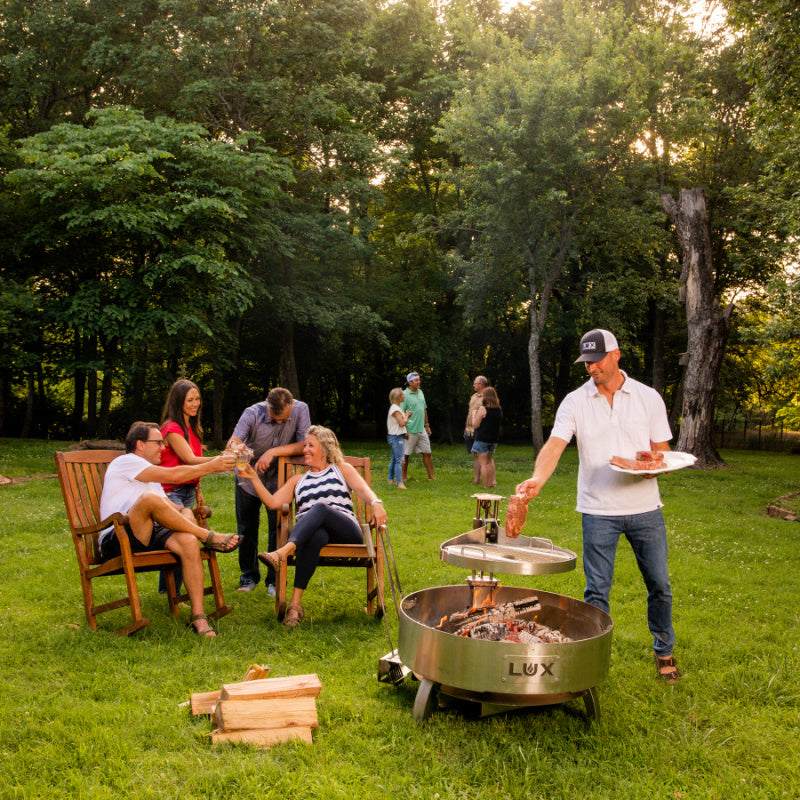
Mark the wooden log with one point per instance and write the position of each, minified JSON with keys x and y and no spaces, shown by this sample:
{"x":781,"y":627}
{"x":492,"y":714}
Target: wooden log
{"x":282,"y":712}
{"x":461,"y":620}
{"x":264,"y":738}
{"x":255,"y":672}
{"x":203,"y":702}
{"x":290,"y":686}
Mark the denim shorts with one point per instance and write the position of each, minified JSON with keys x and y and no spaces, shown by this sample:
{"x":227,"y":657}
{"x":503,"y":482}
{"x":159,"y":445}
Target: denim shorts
{"x":484,"y":447}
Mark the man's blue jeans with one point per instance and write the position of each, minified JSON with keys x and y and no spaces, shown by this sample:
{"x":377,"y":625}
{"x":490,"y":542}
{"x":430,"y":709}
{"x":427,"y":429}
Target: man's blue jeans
{"x":648,"y":537}
{"x":248,"y":516}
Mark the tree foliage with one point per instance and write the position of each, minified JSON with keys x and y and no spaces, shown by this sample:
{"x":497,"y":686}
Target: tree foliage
{"x":329,"y":193}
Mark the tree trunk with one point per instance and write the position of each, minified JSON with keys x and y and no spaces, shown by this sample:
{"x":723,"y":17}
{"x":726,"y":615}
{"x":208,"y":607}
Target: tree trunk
{"x":287,"y":365}
{"x":708,"y":326}
{"x":545,"y":268}
{"x":537,"y":432}
{"x":658,"y":326}
{"x":29,"y":406}
{"x":109,"y":359}
{"x":79,"y":384}
{"x":139,"y":379}
{"x":91,"y":388}
{"x":217,"y":395}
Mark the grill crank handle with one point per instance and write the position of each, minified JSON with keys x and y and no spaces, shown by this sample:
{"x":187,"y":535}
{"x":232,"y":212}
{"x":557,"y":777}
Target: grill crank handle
{"x":390,"y":668}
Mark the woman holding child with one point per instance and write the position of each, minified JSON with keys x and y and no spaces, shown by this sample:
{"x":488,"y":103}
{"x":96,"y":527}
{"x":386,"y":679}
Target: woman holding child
{"x":323,"y":510}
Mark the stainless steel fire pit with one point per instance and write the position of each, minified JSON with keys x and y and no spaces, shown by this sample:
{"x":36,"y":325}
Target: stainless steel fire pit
{"x":502,"y":675}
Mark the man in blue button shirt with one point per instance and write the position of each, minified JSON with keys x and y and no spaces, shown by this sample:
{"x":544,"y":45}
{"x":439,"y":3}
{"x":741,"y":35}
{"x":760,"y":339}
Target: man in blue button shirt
{"x":275,"y":427}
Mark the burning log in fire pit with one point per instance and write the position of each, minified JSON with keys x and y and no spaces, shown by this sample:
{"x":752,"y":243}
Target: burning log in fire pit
{"x":461,"y":622}
{"x":524,"y":632}
{"x":502,"y":623}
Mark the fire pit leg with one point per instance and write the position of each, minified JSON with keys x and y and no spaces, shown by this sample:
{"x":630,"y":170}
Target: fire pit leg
{"x":592,"y":702}
{"x":425,"y":701}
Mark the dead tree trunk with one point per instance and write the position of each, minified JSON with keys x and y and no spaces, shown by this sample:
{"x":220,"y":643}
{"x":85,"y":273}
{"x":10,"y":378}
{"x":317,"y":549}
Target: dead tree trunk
{"x":708,"y":326}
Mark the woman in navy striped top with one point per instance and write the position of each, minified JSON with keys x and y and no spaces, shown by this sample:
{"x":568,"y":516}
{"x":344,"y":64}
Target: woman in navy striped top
{"x":323,"y":510}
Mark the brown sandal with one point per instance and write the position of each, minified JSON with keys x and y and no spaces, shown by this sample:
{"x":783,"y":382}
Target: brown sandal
{"x":221,"y":543}
{"x":208,"y":633}
{"x":667,"y":669}
{"x":294,"y":616}
{"x":272,"y":559}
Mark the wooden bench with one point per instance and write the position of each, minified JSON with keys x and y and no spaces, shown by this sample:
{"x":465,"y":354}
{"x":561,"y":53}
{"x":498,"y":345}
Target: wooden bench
{"x":368,"y":556}
{"x":81,"y":475}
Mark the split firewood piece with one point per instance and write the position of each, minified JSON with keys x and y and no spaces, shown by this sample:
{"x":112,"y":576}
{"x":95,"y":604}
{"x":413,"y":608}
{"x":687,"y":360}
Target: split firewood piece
{"x":264,"y":738}
{"x":255,"y":672}
{"x":204,"y":702}
{"x":290,"y":686}
{"x":269,"y":703}
{"x":272,"y":712}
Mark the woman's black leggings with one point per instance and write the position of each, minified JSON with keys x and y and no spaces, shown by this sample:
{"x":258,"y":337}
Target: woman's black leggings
{"x":320,"y":525}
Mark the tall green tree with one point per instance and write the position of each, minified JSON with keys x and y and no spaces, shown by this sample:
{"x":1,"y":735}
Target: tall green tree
{"x":132,"y":228}
{"x":545,"y":134}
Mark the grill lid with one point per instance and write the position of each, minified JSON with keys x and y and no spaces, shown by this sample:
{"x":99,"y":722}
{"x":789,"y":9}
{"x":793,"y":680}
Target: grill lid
{"x":523,"y":555}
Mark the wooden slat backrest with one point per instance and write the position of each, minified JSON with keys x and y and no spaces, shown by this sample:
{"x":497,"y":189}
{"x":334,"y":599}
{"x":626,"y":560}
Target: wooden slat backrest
{"x":296,"y":464}
{"x":81,"y":475}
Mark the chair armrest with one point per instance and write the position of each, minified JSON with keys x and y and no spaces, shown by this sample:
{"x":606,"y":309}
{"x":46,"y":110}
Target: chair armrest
{"x":201,"y":511}
{"x":284,"y":524}
{"x":117,"y":519}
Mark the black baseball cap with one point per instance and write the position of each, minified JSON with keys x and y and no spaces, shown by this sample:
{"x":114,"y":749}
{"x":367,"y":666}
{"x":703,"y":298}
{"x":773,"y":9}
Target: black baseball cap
{"x":596,"y":344}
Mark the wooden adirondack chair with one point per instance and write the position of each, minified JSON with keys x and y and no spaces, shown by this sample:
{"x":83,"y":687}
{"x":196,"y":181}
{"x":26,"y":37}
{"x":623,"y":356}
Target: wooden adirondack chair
{"x":368,"y":556}
{"x":81,"y":475}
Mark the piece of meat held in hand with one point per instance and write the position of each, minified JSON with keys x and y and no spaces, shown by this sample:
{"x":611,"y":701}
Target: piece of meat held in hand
{"x":515,"y":516}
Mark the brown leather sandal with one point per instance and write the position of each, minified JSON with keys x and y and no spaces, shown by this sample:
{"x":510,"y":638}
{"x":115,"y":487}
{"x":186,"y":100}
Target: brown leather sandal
{"x":221,"y":543}
{"x":208,"y":633}
{"x":294,"y":616}
{"x":667,"y":668}
{"x":272,"y":559}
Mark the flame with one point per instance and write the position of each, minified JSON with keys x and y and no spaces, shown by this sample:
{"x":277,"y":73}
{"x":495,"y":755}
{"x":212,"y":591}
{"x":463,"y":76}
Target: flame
{"x":483,"y":597}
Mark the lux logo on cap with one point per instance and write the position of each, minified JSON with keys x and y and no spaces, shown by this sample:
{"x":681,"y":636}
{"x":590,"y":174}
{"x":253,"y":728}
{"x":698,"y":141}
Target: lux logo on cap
{"x":590,"y":345}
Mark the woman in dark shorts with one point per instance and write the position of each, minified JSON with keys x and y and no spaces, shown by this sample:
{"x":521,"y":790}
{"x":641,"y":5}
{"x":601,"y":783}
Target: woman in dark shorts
{"x":486,"y":422}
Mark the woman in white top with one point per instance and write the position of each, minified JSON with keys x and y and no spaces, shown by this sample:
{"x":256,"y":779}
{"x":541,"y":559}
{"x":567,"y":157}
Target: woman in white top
{"x":323,"y":510}
{"x":396,"y":421}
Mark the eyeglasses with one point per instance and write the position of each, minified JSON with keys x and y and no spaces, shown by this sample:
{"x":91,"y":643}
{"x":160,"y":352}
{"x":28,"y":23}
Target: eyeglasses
{"x":159,"y":442}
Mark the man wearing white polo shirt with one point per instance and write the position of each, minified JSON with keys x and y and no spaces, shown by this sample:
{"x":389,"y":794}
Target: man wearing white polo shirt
{"x":614,"y":415}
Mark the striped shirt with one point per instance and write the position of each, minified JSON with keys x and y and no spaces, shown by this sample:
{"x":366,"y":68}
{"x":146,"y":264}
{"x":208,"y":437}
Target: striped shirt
{"x":327,"y":486}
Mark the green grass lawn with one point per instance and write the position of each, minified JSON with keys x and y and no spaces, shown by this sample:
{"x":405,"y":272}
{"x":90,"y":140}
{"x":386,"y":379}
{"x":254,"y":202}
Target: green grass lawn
{"x":90,"y":715}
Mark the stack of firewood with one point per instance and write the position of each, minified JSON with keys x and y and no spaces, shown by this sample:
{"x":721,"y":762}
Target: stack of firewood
{"x":262,"y":711}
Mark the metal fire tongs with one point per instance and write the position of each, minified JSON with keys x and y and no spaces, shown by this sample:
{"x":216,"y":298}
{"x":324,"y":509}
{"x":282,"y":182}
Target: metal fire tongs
{"x":390,"y":668}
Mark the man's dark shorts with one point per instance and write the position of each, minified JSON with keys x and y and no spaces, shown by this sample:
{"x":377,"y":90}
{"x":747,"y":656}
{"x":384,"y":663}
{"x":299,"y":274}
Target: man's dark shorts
{"x":158,"y":541}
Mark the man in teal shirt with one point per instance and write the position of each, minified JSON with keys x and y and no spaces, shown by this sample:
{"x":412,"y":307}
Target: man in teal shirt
{"x":419,"y":430}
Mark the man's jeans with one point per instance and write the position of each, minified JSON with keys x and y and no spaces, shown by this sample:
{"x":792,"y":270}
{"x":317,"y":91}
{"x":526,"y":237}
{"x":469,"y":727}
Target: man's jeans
{"x":248,"y":516}
{"x":648,"y":537}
